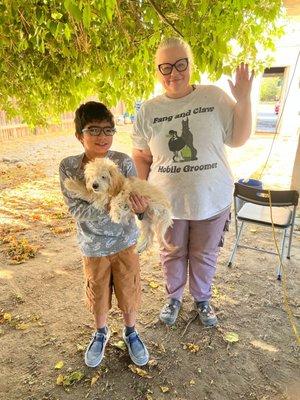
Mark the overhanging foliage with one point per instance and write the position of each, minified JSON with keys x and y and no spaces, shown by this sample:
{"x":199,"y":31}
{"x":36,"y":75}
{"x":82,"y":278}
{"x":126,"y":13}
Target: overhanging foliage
{"x":54,"y":54}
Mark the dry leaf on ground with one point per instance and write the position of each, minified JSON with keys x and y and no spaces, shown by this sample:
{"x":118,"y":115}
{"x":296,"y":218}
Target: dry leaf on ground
{"x":94,"y":379}
{"x":153,"y":285}
{"x":120,"y":345}
{"x":69,"y":379}
{"x":139,"y":371}
{"x":59,"y":365}
{"x":192,"y":347}
{"x":164,"y":389}
{"x":7,"y":317}
{"x":231,"y":337}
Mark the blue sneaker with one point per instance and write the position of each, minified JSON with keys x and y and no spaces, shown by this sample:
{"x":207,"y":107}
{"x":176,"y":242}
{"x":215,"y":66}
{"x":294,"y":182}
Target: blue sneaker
{"x":137,"y":350}
{"x":206,"y":313}
{"x":95,"y":350}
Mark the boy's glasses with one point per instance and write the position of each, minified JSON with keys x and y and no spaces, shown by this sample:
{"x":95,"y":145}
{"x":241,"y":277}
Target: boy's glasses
{"x":96,"y":131}
{"x":180,"y":65}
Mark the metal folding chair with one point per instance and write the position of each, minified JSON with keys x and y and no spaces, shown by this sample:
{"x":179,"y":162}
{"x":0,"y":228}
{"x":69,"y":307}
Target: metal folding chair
{"x":256,"y":210}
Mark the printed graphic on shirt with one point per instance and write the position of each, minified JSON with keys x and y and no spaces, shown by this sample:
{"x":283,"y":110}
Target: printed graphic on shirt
{"x":181,"y":141}
{"x":182,"y":146}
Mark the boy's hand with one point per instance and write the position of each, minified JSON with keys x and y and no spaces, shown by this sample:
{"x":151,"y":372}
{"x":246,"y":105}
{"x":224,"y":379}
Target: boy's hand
{"x":139,"y":204}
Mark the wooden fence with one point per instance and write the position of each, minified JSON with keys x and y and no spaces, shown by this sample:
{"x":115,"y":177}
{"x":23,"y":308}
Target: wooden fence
{"x":15,"y":128}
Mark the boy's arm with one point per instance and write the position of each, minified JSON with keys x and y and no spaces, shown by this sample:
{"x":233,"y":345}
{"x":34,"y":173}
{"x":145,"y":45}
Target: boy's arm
{"x":81,"y":210}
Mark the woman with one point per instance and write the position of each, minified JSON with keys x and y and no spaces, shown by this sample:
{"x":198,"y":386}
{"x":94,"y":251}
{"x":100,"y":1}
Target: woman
{"x":179,"y":143}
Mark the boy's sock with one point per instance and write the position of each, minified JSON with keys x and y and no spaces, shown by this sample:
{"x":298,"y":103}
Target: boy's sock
{"x":103,"y":330}
{"x":129,"y":330}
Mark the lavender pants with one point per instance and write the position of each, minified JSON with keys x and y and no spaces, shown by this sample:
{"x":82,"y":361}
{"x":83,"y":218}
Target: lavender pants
{"x":196,"y":255}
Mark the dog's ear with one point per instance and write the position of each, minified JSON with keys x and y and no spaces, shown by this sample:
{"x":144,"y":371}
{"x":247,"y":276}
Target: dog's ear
{"x":117,"y":180}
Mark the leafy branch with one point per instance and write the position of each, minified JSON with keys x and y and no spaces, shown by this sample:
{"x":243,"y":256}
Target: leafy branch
{"x":57,"y":54}
{"x":163,"y":17}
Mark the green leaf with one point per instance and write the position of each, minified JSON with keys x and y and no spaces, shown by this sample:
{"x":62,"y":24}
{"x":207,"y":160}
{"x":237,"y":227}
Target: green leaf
{"x":67,"y":32}
{"x":109,"y":9}
{"x":56,"y":15}
{"x":73,"y":9}
{"x":86,"y":16}
{"x":53,"y":27}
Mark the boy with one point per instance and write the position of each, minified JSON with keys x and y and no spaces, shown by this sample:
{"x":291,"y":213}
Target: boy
{"x":109,"y":260}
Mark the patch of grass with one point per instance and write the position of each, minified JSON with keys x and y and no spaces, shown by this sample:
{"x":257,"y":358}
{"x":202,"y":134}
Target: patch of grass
{"x":19,"y":249}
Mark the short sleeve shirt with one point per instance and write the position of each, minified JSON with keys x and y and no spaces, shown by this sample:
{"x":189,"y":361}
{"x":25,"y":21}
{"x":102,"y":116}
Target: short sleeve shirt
{"x":187,"y":138}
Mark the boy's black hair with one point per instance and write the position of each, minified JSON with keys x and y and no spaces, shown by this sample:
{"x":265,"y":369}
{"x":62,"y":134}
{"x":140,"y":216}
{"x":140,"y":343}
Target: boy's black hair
{"x":90,"y":112}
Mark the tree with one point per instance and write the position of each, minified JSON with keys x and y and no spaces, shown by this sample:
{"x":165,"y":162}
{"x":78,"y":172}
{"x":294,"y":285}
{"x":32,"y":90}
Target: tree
{"x":270,"y":88}
{"x":54,"y":54}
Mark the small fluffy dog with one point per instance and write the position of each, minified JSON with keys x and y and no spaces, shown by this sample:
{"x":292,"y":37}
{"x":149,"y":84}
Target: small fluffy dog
{"x":105,"y":185}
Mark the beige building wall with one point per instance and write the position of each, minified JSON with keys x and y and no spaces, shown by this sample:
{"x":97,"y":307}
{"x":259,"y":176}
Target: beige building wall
{"x":288,"y":55}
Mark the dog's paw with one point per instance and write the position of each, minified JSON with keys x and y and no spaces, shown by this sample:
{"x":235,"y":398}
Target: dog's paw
{"x":120,"y":215}
{"x":72,"y":185}
{"x":120,"y":219}
{"x":142,"y":245}
{"x":115,"y":218}
{"x":78,"y":189}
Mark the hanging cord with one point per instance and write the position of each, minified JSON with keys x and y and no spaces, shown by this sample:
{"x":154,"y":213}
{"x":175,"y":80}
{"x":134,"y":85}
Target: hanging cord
{"x":284,"y":285}
{"x":279,"y":119}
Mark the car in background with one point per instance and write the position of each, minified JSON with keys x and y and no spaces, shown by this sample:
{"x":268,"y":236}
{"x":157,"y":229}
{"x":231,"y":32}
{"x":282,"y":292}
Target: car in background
{"x":119,"y":120}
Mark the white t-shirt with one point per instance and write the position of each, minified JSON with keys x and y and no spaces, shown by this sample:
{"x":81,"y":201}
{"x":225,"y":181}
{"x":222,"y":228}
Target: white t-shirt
{"x":186,"y":137}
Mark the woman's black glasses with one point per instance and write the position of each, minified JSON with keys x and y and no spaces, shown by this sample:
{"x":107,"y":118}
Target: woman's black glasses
{"x":180,"y":65}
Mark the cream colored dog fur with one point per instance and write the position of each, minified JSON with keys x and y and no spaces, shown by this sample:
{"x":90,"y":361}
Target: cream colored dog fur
{"x":105,"y":185}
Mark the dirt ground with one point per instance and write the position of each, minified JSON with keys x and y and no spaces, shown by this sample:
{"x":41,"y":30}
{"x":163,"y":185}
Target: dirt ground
{"x":44,"y":326}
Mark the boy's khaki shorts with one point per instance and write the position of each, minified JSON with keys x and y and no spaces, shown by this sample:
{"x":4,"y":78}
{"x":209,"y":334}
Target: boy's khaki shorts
{"x":119,"y":272}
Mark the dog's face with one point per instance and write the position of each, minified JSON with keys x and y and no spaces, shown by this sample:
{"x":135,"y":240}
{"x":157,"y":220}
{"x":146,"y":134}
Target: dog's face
{"x":97,"y":177}
{"x":102,"y":176}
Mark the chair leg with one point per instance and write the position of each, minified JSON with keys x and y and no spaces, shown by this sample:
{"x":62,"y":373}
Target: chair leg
{"x":239,"y":232}
{"x":291,"y":232}
{"x":235,"y":217}
{"x":281,"y":254}
{"x":290,"y":242}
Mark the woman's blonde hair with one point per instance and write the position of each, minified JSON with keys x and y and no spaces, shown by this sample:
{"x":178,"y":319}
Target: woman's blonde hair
{"x":171,"y":42}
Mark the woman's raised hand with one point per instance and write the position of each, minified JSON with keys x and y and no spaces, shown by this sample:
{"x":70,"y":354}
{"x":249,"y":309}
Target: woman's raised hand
{"x":241,"y":89}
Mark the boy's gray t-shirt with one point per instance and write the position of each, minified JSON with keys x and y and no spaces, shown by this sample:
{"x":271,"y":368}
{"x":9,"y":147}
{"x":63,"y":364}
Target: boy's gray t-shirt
{"x":186,"y":137}
{"x":97,"y":235}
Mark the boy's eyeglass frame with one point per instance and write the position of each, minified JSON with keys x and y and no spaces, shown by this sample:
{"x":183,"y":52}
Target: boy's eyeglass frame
{"x":171,"y":66}
{"x":97,"y":131}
